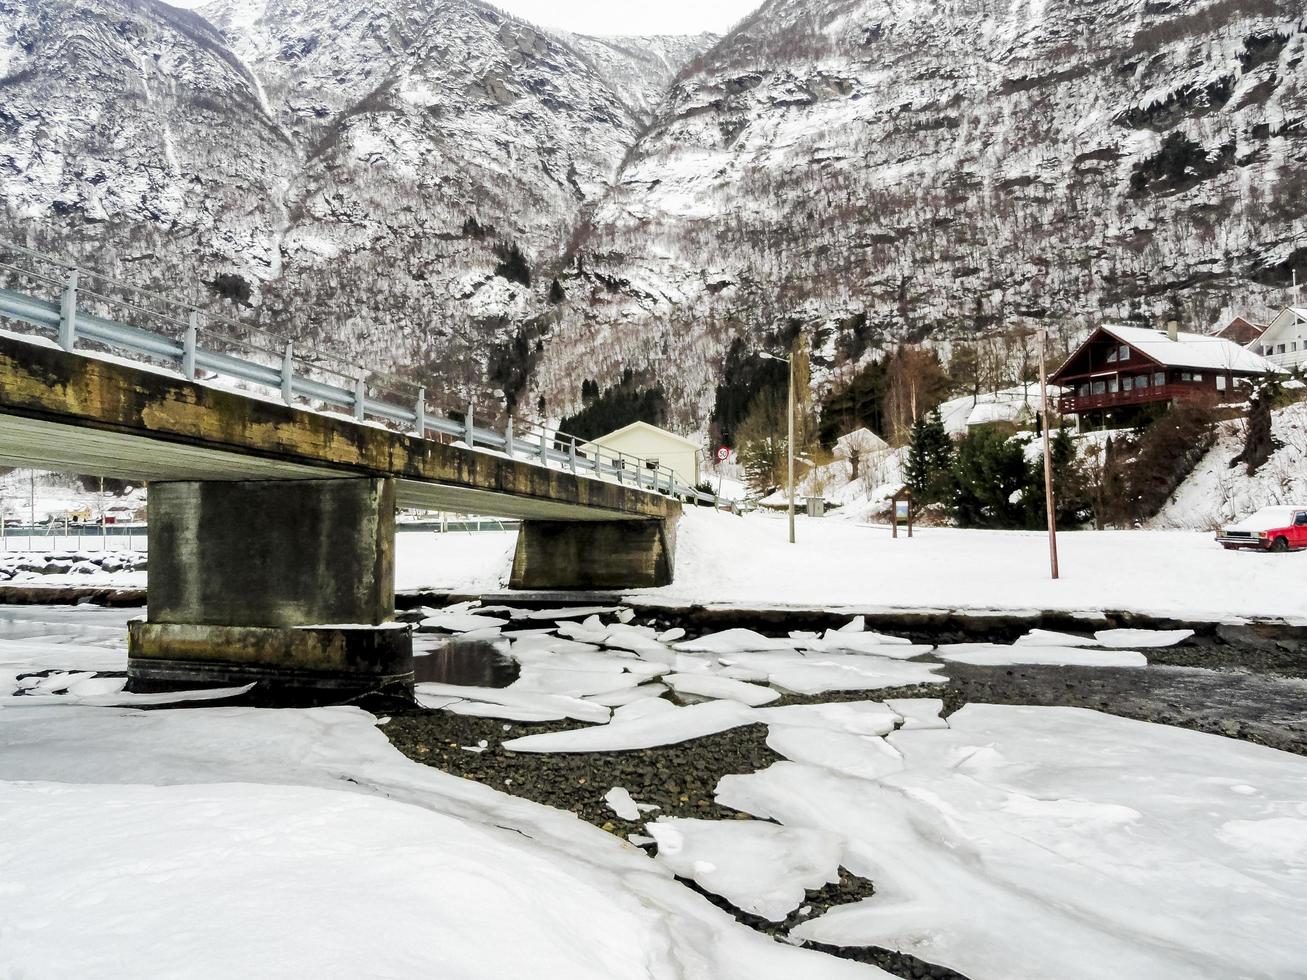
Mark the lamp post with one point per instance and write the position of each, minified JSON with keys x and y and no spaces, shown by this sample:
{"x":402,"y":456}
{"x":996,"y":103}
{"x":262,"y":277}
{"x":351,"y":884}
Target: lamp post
{"x":1049,"y":503}
{"x":790,"y":438}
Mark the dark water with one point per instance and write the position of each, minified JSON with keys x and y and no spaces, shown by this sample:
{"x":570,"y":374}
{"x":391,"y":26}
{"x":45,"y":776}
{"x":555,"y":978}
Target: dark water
{"x":465,"y":663}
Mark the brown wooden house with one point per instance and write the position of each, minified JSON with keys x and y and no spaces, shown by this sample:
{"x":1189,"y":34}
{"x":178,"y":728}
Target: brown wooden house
{"x":1241,"y":331}
{"x":1119,"y":371}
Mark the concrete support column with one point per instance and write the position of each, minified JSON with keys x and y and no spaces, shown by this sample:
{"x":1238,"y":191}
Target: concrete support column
{"x":594,"y":555}
{"x":287,"y":583}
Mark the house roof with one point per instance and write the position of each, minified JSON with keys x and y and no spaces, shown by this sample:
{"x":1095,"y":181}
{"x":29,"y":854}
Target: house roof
{"x":1240,"y":330}
{"x":1192,"y":350}
{"x":863,"y":439}
{"x":644,"y":426}
{"x":1288,"y":316}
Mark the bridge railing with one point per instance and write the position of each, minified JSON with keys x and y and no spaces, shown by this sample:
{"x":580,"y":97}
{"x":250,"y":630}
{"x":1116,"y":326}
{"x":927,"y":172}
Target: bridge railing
{"x":212,"y":348}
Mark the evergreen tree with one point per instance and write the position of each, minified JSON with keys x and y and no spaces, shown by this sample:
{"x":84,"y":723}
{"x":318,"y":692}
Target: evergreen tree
{"x":760,"y":442}
{"x":615,"y":407}
{"x":1071,"y":487}
{"x":928,"y":470}
{"x":994,"y":482}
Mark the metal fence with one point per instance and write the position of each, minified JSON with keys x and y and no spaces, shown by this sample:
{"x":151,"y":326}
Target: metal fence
{"x":91,"y":308}
{"x":61,"y":537}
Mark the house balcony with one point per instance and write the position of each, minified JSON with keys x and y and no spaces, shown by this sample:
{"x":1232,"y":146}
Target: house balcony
{"x":1075,"y":404}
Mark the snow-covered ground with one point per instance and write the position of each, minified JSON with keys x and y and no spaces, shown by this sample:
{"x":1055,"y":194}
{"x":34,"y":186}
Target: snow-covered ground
{"x":747,"y":561}
{"x":1002,"y":841}
{"x":1216,"y":491}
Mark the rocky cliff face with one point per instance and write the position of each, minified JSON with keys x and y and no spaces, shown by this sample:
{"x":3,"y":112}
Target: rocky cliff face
{"x":389,"y":180}
{"x":442,"y":189}
{"x":879,"y":170}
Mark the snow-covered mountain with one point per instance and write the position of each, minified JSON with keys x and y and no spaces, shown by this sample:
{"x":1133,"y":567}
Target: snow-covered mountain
{"x":392,"y":180}
{"x":879,"y":169}
{"x":444,"y":189}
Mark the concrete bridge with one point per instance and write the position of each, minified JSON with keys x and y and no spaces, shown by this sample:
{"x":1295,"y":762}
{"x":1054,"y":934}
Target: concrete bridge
{"x":271,"y":525}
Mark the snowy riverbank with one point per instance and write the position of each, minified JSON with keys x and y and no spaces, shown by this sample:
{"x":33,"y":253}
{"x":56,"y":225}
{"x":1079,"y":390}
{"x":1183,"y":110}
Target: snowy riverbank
{"x":747,"y":562}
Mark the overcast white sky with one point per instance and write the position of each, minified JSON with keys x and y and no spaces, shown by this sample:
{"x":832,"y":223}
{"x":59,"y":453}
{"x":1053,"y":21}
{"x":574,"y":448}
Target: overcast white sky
{"x":620,"y":16}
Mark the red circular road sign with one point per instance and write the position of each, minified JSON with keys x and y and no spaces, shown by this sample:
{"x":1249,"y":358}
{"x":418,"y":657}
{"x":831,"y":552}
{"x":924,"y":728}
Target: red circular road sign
{"x":723,"y":454}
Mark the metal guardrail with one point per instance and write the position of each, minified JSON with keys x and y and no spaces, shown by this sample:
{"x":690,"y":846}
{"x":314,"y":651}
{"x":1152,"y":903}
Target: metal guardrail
{"x":200,"y":345}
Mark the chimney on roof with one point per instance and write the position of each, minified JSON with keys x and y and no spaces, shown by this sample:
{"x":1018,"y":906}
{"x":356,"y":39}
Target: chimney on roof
{"x":1173,"y":329}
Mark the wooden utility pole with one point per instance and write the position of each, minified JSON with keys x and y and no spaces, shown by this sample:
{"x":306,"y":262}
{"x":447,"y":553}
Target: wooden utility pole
{"x":790,"y":460}
{"x":1048,"y":452}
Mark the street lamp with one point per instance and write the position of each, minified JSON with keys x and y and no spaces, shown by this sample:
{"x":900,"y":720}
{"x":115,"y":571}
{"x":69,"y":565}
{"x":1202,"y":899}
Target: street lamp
{"x":790,"y":441}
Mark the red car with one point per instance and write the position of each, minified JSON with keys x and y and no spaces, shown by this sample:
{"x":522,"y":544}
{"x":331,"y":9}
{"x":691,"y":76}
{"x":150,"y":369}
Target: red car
{"x":1270,"y":529}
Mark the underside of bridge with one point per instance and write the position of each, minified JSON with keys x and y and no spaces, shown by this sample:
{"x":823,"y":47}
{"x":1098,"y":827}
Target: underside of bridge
{"x":271,"y":527}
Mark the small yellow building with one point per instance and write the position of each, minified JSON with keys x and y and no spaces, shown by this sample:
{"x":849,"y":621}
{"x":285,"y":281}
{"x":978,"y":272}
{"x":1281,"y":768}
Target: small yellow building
{"x":657,"y":447}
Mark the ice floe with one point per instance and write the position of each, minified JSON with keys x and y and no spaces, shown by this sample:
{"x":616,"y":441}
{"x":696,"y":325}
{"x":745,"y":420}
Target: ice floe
{"x":618,"y":799}
{"x":855,"y":717}
{"x":734,"y":641}
{"x":1141,"y":638}
{"x":460,"y":622}
{"x":662,"y":728}
{"x":715,"y":686}
{"x":919,"y":712}
{"x":1111,"y":847}
{"x":758,"y":867}
{"x":559,"y":706}
{"x":863,"y":756}
{"x":997,"y":655}
{"x":1051,"y":638}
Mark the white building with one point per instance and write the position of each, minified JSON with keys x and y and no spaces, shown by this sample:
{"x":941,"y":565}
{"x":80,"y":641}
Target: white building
{"x":1284,"y":342}
{"x":655,"y":447}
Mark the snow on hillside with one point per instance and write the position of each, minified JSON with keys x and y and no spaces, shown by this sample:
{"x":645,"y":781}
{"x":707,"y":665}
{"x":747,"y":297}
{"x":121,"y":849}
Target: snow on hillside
{"x":879,"y":170}
{"x":404,"y":181}
{"x":1215,"y":492}
{"x":1017,"y":404}
{"x":847,"y":498}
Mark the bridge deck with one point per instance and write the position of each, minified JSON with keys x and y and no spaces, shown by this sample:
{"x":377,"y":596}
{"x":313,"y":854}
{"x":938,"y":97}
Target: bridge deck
{"x":70,"y":412}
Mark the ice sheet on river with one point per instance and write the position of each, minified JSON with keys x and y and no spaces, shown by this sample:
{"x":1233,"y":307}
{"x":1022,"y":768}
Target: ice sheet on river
{"x":715,"y":686}
{"x":758,"y":867}
{"x":558,"y":705}
{"x":647,"y":731}
{"x":999,"y":655}
{"x":1141,"y":638}
{"x":816,"y":673}
{"x":1060,"y":842}
{"x":305,"y":837}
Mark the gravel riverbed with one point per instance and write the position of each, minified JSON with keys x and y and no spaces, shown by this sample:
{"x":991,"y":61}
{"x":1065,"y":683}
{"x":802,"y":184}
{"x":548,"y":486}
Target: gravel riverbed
{"x":1255,"y":691}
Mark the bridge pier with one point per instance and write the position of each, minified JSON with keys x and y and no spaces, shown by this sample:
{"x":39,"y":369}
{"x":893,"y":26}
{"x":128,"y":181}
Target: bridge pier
{"x":290,"y":583}
{"x":594,"y":554}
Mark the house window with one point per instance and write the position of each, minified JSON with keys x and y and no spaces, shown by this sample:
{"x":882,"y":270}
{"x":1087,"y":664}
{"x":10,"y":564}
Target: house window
{"x":1159,"y":379}
{"x":1127,"y":384}
{"x":1186,"y":376}
{"x":1123,"y":353}
{"x":1100,"y":387}
{"x":1111,"y":357}
{"x":1084,"y":390}
{"x":1220,"y":382}
{"x":1279,"y":348}
{"x":651,"y":464}
{"x":1141,"y":381}
{"x":1198,"y":377}
{"x":1111,"y":385}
